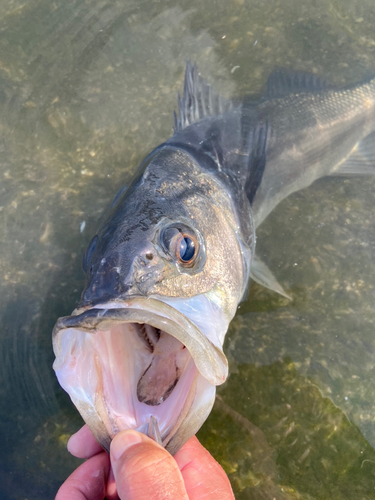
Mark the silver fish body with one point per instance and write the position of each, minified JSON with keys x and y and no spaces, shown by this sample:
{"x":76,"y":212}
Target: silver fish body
{"x":314,"y":134}
{"x":166,"y":272}
{"x":146,"y":340}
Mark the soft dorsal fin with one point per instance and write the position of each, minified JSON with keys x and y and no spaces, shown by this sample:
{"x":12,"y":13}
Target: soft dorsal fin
{"x":284,"y":82}
{"x":198,"y":100}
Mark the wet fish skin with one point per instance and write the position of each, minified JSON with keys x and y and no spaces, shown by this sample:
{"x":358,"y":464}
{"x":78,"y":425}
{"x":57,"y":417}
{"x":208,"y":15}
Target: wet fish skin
{"x":217,"y":178}
{"x":315,"y":134}
{"x":128,"y":260}
{"x":173,"y":188}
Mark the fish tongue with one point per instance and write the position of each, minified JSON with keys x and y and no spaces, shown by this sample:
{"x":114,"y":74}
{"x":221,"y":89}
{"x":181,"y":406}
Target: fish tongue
{"x":160,"y":378}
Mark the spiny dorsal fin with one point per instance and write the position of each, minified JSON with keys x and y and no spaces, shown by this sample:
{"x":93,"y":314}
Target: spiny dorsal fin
{"x":284,"y":82}
{"x":198,"y":100}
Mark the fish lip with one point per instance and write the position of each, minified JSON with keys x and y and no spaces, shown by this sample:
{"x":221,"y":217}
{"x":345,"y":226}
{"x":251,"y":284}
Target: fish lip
{"x":210,"y":361}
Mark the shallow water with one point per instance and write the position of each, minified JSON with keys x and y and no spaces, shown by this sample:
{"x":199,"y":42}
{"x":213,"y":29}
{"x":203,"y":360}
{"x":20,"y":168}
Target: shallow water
{"x":87,"y":89}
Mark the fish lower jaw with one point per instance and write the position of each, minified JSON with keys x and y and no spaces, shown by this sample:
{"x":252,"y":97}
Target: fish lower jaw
{"x":105,"y":375}
{"x":122,"y":374}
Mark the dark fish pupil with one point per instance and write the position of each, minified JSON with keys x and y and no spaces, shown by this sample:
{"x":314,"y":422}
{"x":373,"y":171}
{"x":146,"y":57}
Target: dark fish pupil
{"x":187,"y":249}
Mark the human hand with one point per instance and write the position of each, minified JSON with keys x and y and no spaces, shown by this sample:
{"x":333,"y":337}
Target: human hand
{"x":140,"y":469}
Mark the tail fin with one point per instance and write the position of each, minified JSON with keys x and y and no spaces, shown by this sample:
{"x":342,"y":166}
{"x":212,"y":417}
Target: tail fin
{"x":361,"y":160}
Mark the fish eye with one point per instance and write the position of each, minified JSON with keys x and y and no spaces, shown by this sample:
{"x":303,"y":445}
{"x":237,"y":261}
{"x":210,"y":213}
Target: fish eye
{"x":187,"y":248}
{"x":182,"y":244}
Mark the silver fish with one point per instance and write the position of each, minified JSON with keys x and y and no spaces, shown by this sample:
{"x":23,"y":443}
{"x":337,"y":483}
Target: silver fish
{"x":166,"y":272}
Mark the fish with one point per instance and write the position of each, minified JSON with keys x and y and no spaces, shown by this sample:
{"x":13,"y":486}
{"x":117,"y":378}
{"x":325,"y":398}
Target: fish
{"x":167,"y":270}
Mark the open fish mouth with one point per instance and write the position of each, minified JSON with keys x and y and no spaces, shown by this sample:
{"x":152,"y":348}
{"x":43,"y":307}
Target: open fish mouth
{"x":129,"y":363}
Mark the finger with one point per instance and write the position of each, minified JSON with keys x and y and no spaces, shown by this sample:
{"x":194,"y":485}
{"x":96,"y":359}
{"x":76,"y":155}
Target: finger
{"x":82,"y":444}
{"x":88,"y":481}
{"x":144,"y":470}
{"x":203,"y":476}
{"x":111,"y":491}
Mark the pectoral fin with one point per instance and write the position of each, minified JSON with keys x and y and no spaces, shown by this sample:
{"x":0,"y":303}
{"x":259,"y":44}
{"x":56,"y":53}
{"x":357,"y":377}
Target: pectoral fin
{"x":262,"y":275}
{"x":257,"y":146}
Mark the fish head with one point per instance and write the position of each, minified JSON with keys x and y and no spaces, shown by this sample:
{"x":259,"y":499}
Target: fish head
{"x":164,"y":277}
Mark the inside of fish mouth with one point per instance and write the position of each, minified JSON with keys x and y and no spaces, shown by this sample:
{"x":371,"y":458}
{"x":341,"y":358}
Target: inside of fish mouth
{"x":169,"y":358}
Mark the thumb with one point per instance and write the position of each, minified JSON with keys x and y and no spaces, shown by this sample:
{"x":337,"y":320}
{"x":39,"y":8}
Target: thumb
{"x":144,"y":470}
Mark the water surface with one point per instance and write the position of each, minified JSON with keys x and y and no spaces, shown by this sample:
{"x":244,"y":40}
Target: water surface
{"x":87,"y":89}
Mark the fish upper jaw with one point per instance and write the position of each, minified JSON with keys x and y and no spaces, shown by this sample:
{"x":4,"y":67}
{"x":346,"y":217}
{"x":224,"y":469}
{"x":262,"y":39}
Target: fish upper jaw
{"x":205,"y":313}
{"x":102,"y":361}
{"x":105,"y":283}
{"x":122,"y":274}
